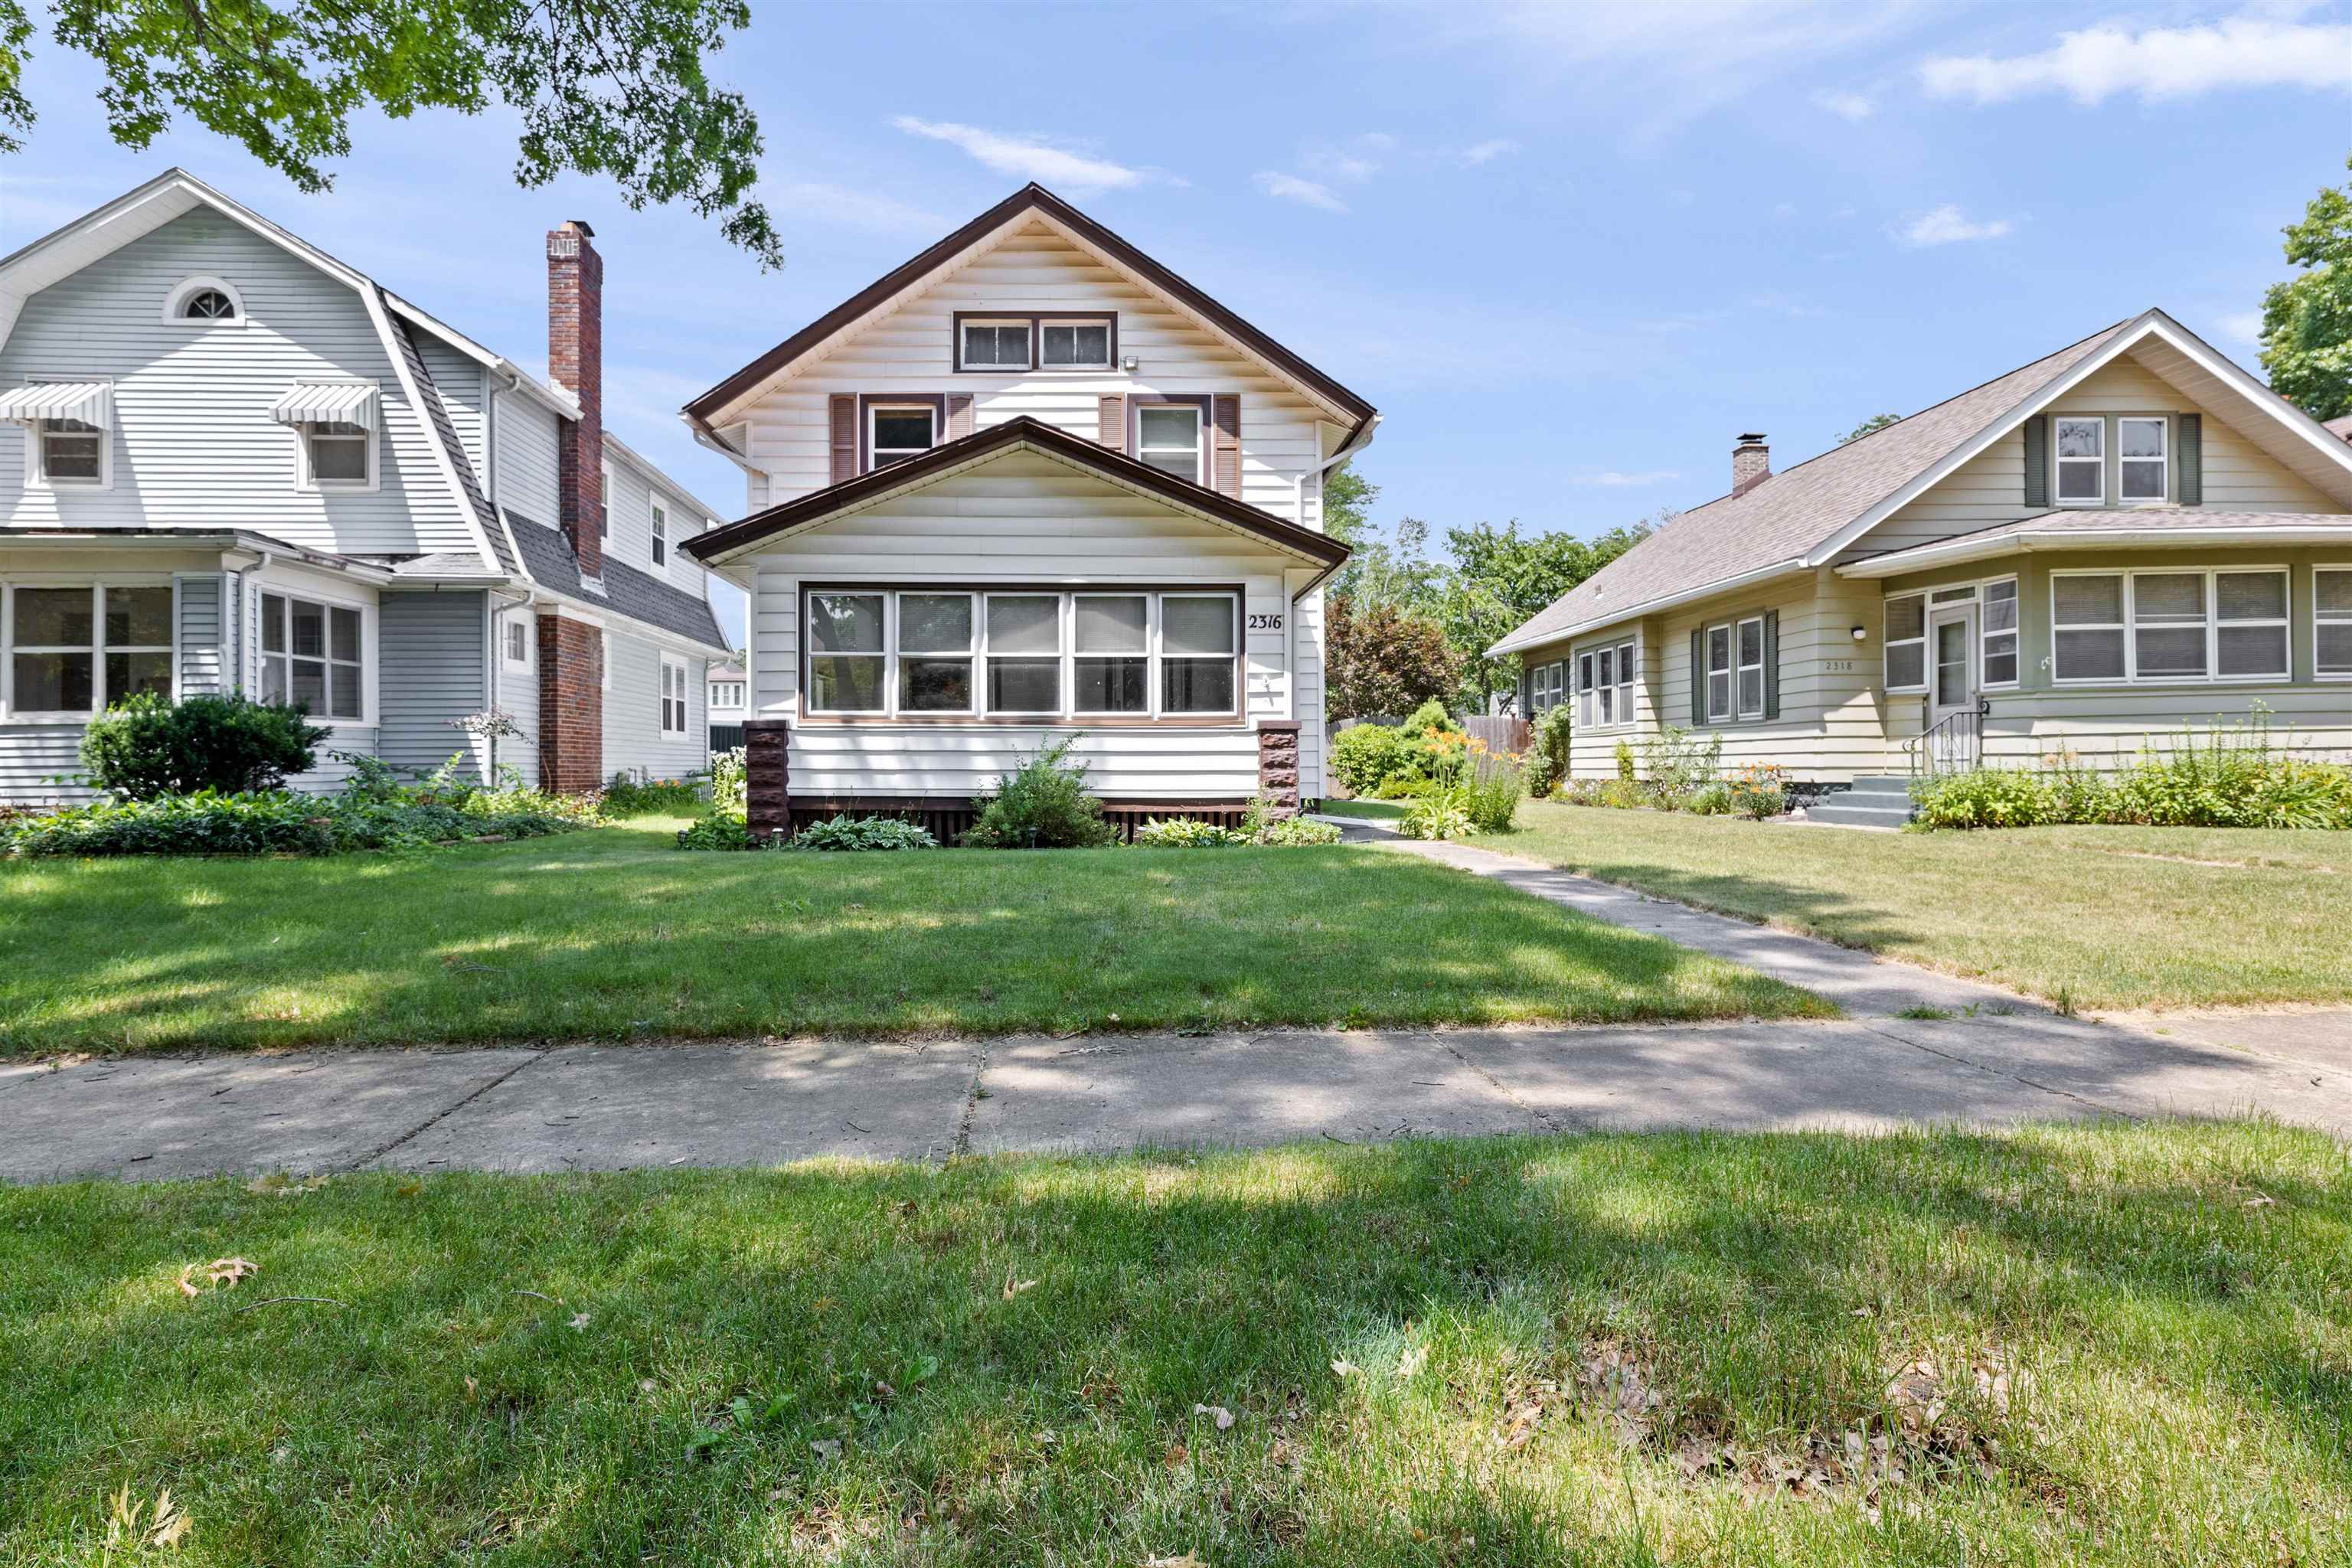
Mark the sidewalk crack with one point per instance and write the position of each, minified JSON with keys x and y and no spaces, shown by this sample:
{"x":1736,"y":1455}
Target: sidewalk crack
{"x":963,"y":1146}
{"x":1543,"y":1118}
{"x":448,"y":1110}
{"x":2099,"y":1106}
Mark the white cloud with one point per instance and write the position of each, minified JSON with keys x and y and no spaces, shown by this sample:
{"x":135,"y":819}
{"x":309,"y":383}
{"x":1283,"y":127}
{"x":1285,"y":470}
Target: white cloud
{"x":2097,"y":63}
{"x":2245,"y":326}
{"x":848,"y":208}
{"x":1290,"y":188}
{"x":1616,"y":481}
{"x":1381,"y":140}
{"x":1854,"y":105}
{"x":1026,"y":157}
{"x":1948,"y":225}
{"x":1488,"y":152}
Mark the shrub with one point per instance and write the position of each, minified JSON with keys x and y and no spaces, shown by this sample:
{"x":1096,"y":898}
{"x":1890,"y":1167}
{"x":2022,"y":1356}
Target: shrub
{"x":1624,"y":762}
{"x":148,"y":747}
{"x":1404,"y":786}
{"x":1759,"y":790}
{"x":209,"y":822}
{"x":1368,"y":755}
{"x":729,"y":775}
{"x":1042,"y":805}
{"x":626,"y":796}
{"x":1187,"y":832}
{"x":719,"y":830}
{"x":1493,"y":789}
{"x":1709,"y":800}
{"x":1548,"y":761}
{"x":863,"y":833}
{"x":1382,"y":658}
{"x":1674,"y":765}
{"x":1431,"y":715}
{"x":1295,"y":832}
{"x":1441,"y":813}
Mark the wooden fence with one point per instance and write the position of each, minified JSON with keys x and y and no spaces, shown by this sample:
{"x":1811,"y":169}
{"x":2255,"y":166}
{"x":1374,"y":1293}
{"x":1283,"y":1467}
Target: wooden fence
{"x":1501,"y":734}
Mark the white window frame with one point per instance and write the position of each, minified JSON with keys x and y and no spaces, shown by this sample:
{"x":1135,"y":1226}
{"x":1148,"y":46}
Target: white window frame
{"x":1074,"y":653}
{"x":968,"y":655}
{"x":1584,"y":698}
{"x":1627,"y":679}
{"x":604,"y":499}
{"x":874,"y":449}
{"x":1604,"y":684}
{"x":98,"y":647}
{"x":661,"y":534}
{"x":1987,"y":633}
{"x":37,"y":458}
{"x":725,"y":694}
{"x":2129,"y":627}
{"x":1037,"y":343}
{"x":1727,"y":713}
{"x":306,"y":479}
{"x":1887,"y":645}
{"x":187,"y":288}
{"x":674,"y":673}
{"x":1740,"y":668}
{"x":2330,"y":617}
{"x":509,"y":627}
{"x":303,"y":592}
{"x":1029,"y":336}
{"x":1199,"y":437}
{"x":2163,"y":422}
{"x":2059,"y":465}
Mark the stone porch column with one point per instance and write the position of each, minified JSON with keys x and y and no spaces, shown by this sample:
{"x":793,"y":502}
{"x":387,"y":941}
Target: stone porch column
{"x":1277,"y":763}
{"x":767,"y":781}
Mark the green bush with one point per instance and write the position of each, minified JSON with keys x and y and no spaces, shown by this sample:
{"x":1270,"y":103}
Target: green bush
{"x":1548,"y":757}
{"x":626,"y":796}
{"x":209,"y":822}
{"x":1404,"y":786}
{"x":1262,"y":824}
{"x":719,"y":830}
{"x":1759,"y":790}
{"x":1492,"y":792}
{"x":1625,"y":761}
{"x":730,"y":774}
{"x":863,"y":833}
{"x":1709,"y":800}
{"x":1674,"y":765}
{"x":1187,"y":832}
{"x":1042,"y":805}
{"x":1368,"y":755}
{"x":147,"y":747}
{"x":1441,"y":813}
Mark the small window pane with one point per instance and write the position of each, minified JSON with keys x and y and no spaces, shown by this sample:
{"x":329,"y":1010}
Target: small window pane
{"x":2169,"y":598}
{"x":1026,"y":623}
{"x":309,"y":629}
{"x":346,"y":628}
{"x":846,"y":623}
{"x":2143,"y":481}
{"x":2078,"y":481}
{"x":273,"y":680}
{"x":2252,"y":595}
{"x":1607,"y":664}
{"x":2171,"y":650}
{"x":2090,"y":655}
{"x":2081,"y":437}
{"x":1024,"y":685}
{"x":136,"y":674}
{"x":1751,"y":691}
{"x":1076,"y":345}
{"x":208,"y":305}
{"x":1113,"y":625}
{"x":2251,"y":650}
{"x":935,"y":685}
{"x":2088,"y":601}
{"x":310,"y":690}
{"x":1189,"y":626}
{"x":2000,"y":608}
{"x":2140,"y":437}
{"x":1719,"y":695}
{"x":138,"y":617}
{"x":1169,"y":426}
{"x":901,"y":430}
{"x":53,"y":682}
{"x":2001,"y":659}
{"x":1114,"y":686}
{"x":1906,"y":666}
{"x":2335,"y":647}
{"x":934,"y":623}
{"x":345,"y":681}
{"x":69,"y":450}
{"x":2334,"y":591}
{"x":1197,"y":685}
{"x":1906,"y":618}
{"x":1584,"y":672}
{"x":273,"y":624}
{"x":1751,"y":642}
{"x":1608,"y":704}
{"x":1718,"y":649}
{"x":47,"y":617}
{"x":845,"y":683}
{"x":996,"y":347}
{"x":339,"y":452}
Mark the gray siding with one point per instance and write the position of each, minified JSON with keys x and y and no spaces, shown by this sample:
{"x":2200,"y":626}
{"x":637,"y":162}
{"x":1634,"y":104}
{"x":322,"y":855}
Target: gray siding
{"x":431,"y":646}
{"x":203,"y":666}
{"x":633,"y":739}
{"x":31,"y":756}
{"x":516,"y":692}
{"x":526,"y":477}
{"x":460,"y":377}
{"x":194,"y":444}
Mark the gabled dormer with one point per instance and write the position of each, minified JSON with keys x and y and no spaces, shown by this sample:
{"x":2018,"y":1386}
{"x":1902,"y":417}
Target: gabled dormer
{"x":1033,"y":309}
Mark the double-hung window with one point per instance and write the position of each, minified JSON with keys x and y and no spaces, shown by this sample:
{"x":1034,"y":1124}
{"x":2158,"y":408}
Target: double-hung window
{"x":2000,"y":633}
{"x":1197,"y":643}
{"x":1024,"y":655}
{"x":1906,"y":642}
{"x":1605,"y":684}
{"x":1113,"y":643}
{"x":1751,"y":668}
{"x":515,"y":634}
{"x":2142,"y":458}
{"x":2081,"y":447}
{"x":847,"y":659}
{"x":1584,"y":698}
{"x":673,"y":695}
{"x":2331,"y":630}
{"x":2168,"y":612}
{"x":1168,"y":437}
{"x":2250,"y":626}
{"x":1718,"y":673}
{"x":2169,"y":625}
{"x":75,"y":650}
{"x":73,"y":453}
{"x":935,"y":641}
{"x":311,"y":657}
{"x":1082,"y":344}
{"x":895,"y":432}
{"x":661,"y":534}
{"x":993,"y":345}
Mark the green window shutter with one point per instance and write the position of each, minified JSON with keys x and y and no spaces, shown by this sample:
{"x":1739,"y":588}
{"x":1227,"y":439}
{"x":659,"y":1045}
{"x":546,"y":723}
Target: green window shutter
{"x":1771,"y":663}
{"x":1698,"y":679}
{"x":2189,"y":436}
{"x":2037,"y":461}
{"x":1526,"y":690}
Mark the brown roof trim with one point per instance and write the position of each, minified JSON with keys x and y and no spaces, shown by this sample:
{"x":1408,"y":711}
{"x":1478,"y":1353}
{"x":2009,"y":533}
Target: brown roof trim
{"x":1032,"y":198}
{"x":818,"y":504}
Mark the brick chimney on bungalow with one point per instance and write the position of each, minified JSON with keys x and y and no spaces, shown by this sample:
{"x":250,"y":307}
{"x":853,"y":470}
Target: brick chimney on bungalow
{"x":572,"y":651}
{"x":1751,"y":463}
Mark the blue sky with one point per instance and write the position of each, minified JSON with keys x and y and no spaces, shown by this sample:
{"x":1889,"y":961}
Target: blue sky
{"x":1569,"y":251}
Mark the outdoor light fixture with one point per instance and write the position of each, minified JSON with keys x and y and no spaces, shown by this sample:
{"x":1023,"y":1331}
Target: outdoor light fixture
{"x":1859,"y":634}
{"x":1127,"y":364}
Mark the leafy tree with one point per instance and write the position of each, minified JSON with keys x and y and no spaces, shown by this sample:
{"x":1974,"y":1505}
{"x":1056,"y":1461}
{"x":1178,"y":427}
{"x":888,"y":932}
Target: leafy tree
{"x":1500,"y":579}
{"x":1348,"y":499}
{"x":2308,"y":320}
{"x":1399,"y":574}
{"x":611,"y":87}
{"x":1384,"y":659}
{"x":1876,"y":422}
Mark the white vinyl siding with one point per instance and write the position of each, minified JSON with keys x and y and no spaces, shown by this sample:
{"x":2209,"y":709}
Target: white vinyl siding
{"x":432,"y":648}
{"x":633,"y":740}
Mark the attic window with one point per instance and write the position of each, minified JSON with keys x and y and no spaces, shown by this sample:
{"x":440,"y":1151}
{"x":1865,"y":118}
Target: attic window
{"x":994,"y":346}
{"x":1074,"y":345}
{"x":203,"y":302}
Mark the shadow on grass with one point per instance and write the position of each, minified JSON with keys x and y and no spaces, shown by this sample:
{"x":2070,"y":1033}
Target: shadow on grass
{"x":1009,"y":1362}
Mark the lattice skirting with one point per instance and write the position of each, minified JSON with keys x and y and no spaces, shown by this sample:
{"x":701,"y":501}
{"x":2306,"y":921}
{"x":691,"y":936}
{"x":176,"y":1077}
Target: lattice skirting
{"x":947,"y":818}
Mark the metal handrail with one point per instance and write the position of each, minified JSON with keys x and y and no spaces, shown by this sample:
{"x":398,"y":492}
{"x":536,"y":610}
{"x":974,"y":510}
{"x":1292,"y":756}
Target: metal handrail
{"x":1953,"y":744}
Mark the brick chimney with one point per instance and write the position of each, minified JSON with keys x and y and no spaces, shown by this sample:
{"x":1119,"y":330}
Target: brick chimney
{"x":575,"y":362}
{"x":1751,"y":463}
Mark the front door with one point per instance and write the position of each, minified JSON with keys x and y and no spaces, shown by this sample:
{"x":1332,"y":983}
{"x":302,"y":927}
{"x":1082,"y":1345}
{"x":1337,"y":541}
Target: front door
{"x":1954,"y":731}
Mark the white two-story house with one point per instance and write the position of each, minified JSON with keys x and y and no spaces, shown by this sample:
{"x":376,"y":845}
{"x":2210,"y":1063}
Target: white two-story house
{"x":1030,"y":485}
{"x":232,"y":462}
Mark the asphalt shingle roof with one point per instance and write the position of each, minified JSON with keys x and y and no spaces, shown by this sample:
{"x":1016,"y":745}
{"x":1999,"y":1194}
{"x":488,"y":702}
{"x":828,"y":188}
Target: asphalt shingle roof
{"x":2131,"y":520}
{"x":1795,"y":509}
{"x":547,"y":557}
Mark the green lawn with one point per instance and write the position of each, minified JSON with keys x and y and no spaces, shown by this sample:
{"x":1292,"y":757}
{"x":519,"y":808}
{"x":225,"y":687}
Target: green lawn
{"x":2104,"y":917}
{"x":1592,"y":1351}
{"x":611,"y":933}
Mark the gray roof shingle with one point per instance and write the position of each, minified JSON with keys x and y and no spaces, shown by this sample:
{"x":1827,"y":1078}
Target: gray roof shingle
{"x":547,"y":557}
{"x":2135,"y":522}
{"x":1794,"y":510}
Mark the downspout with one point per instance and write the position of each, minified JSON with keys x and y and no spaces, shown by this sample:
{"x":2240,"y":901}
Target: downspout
{"x":1348,"y":449}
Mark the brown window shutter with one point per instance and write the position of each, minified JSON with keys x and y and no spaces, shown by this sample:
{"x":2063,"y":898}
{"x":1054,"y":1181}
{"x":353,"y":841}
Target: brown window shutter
{"x":1225,"y":462}
{"x":1112,"y":432}
{"x":958,"y":414}
{"x":845,"y":438}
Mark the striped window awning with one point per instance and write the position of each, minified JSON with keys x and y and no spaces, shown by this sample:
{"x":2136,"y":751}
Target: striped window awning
{"x":91,"y":402}
{"x":327,"y":403}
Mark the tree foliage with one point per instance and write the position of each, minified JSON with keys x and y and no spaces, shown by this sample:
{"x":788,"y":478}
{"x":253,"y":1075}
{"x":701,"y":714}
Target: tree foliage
{"x":2308,"y":320}
{"x":1384,"y":659}
{"x":609,"y":88}
{"x":1500,"y":578}
{"x":1876,"y":422}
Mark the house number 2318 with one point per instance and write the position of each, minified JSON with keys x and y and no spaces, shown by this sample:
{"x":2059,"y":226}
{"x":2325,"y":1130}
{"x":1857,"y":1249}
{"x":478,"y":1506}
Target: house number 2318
{"x":1265,"y":623}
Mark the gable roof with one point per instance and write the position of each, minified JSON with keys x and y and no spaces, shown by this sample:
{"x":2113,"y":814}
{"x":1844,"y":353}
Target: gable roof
{"x":1805,"y":516}
{"x":1031,"y":200}
{"x":1318,"y":549}
{"x":2133,"y":527}
{"x":627,"y":591}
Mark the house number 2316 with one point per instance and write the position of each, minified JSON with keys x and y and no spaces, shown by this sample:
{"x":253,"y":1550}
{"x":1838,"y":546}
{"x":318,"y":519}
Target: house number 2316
{"x":1265,"y":623}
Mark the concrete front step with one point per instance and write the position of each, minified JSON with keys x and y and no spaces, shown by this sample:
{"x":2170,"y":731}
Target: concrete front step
{"x":1840,"y":815}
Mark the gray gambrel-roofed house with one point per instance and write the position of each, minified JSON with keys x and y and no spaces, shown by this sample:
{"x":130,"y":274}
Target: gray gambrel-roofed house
{"x":2126,"y":538}
{"x":240,"y":463}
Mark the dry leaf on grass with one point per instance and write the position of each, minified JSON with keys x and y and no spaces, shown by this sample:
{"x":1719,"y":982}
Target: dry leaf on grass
{"x":1345,"y":1369}
{"x":220,"y":1273}
{"x":1014,"y":1287}
{"x":1187,"y":1561}
{"x":1414,"y":1358}
{"x":1216,"y":1413}
{"x":132,"y":1525}
{"x":579,"y":1321}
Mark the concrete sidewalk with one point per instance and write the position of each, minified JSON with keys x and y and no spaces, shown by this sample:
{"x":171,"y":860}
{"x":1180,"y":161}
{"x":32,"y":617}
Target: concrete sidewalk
{"x":581,"y":1107}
